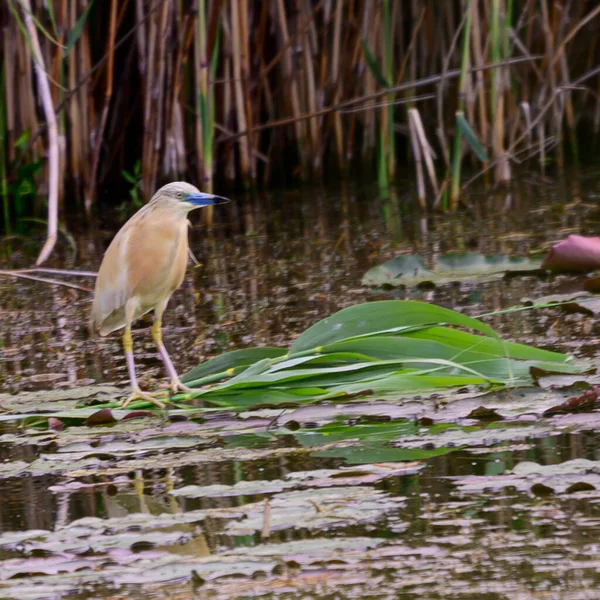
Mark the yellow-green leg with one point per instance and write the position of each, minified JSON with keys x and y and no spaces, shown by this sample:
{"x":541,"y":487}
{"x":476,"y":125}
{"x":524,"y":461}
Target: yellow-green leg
{"x":176,"y":384}
{"x":136,"y":392}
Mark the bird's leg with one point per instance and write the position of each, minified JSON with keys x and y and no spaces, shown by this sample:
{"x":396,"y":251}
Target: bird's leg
{"x":176,"y":384}
{"x":136,"y":392}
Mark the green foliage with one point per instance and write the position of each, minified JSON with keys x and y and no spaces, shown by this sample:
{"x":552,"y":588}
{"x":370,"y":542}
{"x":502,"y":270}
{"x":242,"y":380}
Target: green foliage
{"x":392,"y":348}
{"x":465,"y":129}
{"x":22,"y":186}
{"x":373,"y":66}
{"x":75,"y":33}
{"x":134,"y":177}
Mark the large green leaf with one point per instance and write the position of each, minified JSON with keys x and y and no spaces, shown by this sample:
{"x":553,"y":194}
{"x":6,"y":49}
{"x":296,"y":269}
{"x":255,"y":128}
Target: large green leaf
{"x":382,"y":316}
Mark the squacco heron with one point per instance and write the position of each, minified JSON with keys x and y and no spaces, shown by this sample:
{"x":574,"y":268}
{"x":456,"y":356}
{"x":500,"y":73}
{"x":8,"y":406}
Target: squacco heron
{"x":142,"y":267}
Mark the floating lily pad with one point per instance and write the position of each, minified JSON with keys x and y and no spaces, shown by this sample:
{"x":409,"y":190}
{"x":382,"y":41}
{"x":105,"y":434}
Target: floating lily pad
{"x":410,"y":270}
{"x":316,"y":509}
{"x":570,"y":476}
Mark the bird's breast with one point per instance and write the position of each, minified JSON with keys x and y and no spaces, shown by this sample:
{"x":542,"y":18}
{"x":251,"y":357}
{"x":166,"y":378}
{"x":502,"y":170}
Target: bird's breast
{"x":157,"y":258}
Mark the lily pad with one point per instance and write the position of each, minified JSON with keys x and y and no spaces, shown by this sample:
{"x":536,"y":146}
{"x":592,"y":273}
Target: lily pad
{"x":410,"y":270}
{"x":567,"y":477}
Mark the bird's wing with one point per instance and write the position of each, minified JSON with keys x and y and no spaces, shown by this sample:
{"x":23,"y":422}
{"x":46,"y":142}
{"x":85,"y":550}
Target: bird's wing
{"x":112,"y":287}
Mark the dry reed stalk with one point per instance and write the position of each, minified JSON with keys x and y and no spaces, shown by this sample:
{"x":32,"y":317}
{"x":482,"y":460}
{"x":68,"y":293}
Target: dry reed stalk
{"x":76,"y":151}
{"x":526,"y":108}
{"x":99,"y":134}
{"x":549,"y":48}
{"x":236,"y":43}
{"x":427,"y":150}
{"x":9,"y":90}
{"x":497,"y":97}
{"x":27,"y":113}
{"x":158,"y":92}
{"x":246,"y":85}
{"x":368,"y":32}
{"x":477,"y":46}
{"x":336,"y":80}
{"x":311,"y":92}
{"x":86,"y":104}
{"x":58,"y":92}
{"x":53,"y":151}
{"x":414,"y":140}
{"x":149,"y":114}
{"x":229,"y":156}
{"x":141,"y":37}
{"x":290,"y":77}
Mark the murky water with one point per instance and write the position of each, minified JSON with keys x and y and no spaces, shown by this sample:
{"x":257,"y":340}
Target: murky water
{"x":266,"y":274}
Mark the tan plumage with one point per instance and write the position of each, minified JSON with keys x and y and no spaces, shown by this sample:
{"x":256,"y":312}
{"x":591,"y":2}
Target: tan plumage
{"x":142,"y":267}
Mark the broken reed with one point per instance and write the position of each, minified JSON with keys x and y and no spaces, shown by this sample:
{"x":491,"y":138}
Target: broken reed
{"x":235,"y":89}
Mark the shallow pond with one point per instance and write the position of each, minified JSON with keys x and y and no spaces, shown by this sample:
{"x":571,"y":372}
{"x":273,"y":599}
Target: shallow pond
{"x":465,"y":495}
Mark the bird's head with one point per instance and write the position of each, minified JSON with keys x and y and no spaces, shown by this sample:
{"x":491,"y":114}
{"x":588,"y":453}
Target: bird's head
{"x":186,"y":195}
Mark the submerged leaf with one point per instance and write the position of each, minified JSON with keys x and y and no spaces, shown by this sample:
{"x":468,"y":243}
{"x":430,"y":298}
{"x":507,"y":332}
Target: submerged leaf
{"x":409,"y":270}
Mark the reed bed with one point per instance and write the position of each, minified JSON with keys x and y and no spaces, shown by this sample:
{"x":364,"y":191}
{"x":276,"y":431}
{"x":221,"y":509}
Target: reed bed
{"x":249,"y":92}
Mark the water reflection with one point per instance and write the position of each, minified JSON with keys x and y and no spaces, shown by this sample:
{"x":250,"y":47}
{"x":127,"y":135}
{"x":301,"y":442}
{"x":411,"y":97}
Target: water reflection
{"x":275,"y":264}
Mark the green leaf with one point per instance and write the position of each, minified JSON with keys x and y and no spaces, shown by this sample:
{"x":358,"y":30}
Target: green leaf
{"x":373,"y":66}
{"x":75,"y":33}
{"x":470,"y":136}
{"x":229,"y":360}
{"x":372,"y":318}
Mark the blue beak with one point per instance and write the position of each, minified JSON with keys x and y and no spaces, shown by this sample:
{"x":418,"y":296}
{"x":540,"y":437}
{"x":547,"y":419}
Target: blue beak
{"x":202,"y":199}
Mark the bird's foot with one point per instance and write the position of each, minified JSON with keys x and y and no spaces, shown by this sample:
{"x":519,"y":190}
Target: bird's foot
{"x":177,"y":386}
{"x":137,"y":394}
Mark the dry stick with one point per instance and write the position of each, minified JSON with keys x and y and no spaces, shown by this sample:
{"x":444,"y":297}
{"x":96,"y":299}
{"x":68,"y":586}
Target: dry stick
{"x":66,"y":272}
{"x":107,"y":98}
{"x":53,"y":155}
{"x":428,"y":152}
{"x":405,"y":100}
{"x":591,"y":15}
{"x":432,"y":79}
{"x":266,"y":530}
{"x":19,"y":275}
{"x":417,"y":154}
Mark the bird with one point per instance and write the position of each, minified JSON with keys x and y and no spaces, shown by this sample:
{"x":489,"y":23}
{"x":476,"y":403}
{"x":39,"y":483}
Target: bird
{"x":141,"y":268}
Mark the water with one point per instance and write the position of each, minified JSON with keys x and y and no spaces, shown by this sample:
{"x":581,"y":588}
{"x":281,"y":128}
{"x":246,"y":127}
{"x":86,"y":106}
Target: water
{"x":277,"y":264}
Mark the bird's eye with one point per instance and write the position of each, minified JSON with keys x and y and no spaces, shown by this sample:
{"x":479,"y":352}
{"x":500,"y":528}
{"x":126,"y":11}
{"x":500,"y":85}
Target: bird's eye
{"x":180,"y":195}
